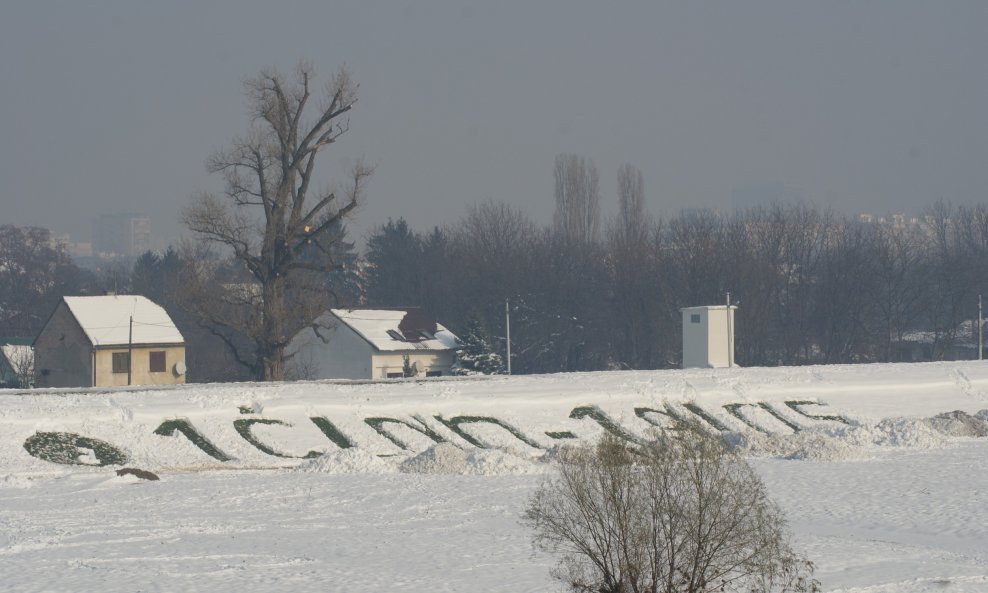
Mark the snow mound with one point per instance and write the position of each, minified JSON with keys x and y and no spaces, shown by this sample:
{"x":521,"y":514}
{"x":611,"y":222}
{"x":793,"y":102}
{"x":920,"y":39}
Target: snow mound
{"x":902,"y":432}
{"x":446,"y":458}
{"x":959,"y":424}
{"x":347,"y":461}
{"x":809,"y":444}
{"x":835,"y":443}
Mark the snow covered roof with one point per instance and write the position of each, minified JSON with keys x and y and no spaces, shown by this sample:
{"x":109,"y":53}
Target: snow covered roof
{"x":106,"y":320}
{"x":391,"y":330}
{"x":965,"y":334}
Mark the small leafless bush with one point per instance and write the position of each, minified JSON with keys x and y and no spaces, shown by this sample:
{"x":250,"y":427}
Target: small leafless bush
{"x":682,"y":514}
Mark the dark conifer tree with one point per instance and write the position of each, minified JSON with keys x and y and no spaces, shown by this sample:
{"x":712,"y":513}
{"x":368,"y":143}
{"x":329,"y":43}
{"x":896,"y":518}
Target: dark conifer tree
{"x":476,"y":356}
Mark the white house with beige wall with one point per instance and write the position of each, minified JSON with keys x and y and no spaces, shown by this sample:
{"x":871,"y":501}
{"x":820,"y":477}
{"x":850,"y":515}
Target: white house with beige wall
{"x":103,"y":341}
{"x":371,"y":344}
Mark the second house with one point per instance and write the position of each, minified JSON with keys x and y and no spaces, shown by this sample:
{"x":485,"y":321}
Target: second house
{"x":372,"y":344}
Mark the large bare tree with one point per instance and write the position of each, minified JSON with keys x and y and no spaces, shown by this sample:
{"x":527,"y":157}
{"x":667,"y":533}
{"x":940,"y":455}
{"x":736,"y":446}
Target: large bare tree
{"x":280,"y":228}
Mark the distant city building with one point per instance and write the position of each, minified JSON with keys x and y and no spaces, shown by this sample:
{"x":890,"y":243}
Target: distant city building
{"x":77,"y":250}
{"x":127,"y":235}
{"x":898,"y":220}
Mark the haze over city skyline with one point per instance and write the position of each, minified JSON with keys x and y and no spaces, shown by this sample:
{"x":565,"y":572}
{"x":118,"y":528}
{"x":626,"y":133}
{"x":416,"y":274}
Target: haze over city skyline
{"x":861,"y":107}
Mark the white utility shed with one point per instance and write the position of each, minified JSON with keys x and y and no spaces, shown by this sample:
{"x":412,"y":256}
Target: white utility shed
{"x":708,"y":336}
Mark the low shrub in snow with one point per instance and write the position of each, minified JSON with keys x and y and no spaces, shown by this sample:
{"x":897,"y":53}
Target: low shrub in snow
{"x":71,"y":449}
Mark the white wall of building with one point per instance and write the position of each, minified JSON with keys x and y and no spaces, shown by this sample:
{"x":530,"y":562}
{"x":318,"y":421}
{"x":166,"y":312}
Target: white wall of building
{"x":344,"y":354}
{"x":708,"y":336}
{"x":424,"y":361}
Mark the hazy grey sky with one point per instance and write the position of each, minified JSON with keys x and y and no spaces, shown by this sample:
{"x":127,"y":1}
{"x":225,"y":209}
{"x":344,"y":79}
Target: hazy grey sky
{"x":875,"y":106}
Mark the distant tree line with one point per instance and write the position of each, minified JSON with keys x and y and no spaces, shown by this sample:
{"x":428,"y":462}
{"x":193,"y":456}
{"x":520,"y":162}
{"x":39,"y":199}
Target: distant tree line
{"x":584,"y":293}
{"x":813,"y":286}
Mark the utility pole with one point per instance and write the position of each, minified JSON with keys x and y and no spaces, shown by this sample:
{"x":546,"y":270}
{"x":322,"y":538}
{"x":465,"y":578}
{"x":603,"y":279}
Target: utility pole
{"x":507,"y":331}
{"x":730,"y":351}
{"x":981,"y":333}
{"x":130,"y":350}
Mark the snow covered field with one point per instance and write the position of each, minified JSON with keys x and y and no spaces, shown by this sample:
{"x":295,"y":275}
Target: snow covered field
{"x":882,"y":498}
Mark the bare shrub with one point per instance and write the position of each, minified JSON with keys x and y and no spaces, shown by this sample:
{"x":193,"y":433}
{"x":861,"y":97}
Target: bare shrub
{"x":680,"y":514}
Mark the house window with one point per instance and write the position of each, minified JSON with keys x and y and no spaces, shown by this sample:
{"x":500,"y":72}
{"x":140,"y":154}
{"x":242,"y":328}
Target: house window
{"x":395,"y":375}
{"x":157,"y":362}
{"x":121,"y":362}
{"x":433,"y":373}
{"x":694,"y":318}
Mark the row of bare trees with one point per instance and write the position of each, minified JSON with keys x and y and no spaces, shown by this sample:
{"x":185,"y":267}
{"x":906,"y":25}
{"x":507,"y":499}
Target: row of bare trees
{"x":813,"y":286}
